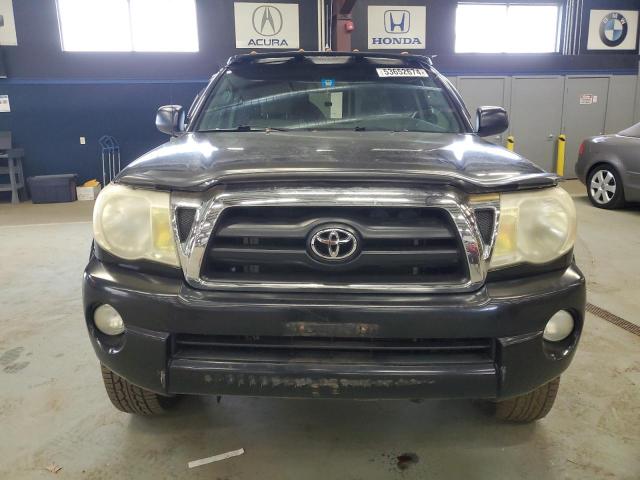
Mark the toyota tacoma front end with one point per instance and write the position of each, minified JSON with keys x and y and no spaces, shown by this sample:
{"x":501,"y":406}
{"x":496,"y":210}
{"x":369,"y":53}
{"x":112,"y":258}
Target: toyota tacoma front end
{"x":332,"y":225}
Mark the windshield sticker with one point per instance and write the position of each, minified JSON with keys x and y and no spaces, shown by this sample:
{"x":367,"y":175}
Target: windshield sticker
{"x":402,"y":72}
{"x":328,"y":82}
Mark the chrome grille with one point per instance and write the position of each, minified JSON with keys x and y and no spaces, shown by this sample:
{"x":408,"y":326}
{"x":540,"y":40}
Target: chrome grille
{"x":396,"y":245}
{"x":252,"y":237}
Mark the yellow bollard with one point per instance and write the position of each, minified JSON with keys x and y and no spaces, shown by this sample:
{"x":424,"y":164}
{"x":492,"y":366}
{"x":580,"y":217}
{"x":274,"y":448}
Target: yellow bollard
{"x":511,"y":142}
{"x":562,"y":141}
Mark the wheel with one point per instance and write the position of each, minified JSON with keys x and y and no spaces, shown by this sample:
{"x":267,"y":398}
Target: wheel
{"x":530,"y":406}
{"x":133,"y":399}
{"x":604,"y":187}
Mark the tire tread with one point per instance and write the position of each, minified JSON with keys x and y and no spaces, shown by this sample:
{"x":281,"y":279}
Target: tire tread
{"x":130,"y":398}
{"x":530,"y":406}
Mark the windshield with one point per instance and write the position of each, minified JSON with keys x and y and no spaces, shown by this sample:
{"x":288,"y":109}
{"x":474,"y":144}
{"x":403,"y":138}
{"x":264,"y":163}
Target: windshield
{"x":304,"y":95}
{"x":632,"y":131}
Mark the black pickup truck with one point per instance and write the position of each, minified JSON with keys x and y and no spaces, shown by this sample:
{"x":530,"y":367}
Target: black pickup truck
{"x":333,"y":225}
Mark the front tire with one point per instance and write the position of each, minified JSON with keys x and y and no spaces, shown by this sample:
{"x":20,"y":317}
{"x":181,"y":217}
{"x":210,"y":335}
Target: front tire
{"x":130,"y":398}
{"x":604,"y":187}
{"x":530,"y":406}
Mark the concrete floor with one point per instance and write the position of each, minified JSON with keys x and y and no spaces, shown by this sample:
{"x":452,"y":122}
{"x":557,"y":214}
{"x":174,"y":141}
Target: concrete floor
{"x":53,"y":407}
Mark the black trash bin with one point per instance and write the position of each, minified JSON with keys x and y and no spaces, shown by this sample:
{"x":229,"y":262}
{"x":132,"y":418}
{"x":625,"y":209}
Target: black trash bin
{"x":53,"y":188}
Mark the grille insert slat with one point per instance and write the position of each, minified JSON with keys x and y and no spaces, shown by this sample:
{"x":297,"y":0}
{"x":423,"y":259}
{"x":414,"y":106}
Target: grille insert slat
{"x":339,"y":349}
{"x":297,"y":230}
{"x":442,"y":256}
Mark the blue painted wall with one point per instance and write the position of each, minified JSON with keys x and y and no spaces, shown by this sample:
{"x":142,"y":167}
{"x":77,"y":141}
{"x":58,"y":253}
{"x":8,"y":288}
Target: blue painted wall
{"x":47,"y":119}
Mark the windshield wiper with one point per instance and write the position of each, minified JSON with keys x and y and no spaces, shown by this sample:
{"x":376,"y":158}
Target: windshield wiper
{"x":358,"y":128}
{"x":245,"y":128}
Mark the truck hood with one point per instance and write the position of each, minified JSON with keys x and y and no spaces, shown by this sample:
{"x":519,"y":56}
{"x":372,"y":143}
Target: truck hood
{"x":197,"y":161}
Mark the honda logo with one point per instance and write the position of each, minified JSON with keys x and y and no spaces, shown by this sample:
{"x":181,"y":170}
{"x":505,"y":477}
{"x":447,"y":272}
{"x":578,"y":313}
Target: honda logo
{"x":396,"y":27}
{"x":397,"y":21}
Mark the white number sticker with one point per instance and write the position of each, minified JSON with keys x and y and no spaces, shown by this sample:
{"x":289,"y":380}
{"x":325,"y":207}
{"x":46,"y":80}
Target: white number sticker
{"x":402,"y":72}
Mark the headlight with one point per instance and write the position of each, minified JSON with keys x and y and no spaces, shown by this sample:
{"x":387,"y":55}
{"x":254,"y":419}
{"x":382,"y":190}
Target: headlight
{"x":534,"y":227}
{"x":135,"y":224}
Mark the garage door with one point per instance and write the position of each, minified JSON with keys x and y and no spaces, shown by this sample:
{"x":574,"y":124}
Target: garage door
{"x":585,"y":109}
{"x":536,"y":117}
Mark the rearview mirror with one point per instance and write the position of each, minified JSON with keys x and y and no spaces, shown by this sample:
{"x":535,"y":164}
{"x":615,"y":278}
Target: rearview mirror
{"x":170,"y":119}
{"x":491,"y":121}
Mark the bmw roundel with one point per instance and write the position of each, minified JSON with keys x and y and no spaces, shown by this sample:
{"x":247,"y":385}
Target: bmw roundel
{"x":613,"y":29}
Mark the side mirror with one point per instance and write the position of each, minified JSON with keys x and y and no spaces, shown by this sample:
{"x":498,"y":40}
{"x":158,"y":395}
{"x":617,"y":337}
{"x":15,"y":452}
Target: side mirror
{"x":170,"y":119}
{"x":491,"y":121}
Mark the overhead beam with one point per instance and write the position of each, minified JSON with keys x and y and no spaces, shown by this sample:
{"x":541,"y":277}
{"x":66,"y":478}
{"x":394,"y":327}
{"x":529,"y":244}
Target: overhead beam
{"x":347,"y":7}
{"x":341,"y":40}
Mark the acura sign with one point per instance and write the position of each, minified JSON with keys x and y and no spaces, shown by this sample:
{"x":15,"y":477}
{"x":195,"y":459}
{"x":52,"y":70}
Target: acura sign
{"x":266,"y":25}
{"x":396,"y":27}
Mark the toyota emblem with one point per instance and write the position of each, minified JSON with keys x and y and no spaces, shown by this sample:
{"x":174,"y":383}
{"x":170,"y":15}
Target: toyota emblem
{"x":333,"y":244}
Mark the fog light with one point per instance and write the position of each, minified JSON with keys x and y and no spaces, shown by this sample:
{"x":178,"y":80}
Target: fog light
{"x":108,"y":320}
{"x":558,"y":327}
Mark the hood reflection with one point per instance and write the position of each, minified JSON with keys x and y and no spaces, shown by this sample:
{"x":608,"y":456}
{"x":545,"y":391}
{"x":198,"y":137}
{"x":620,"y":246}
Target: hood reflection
{"x":196,"y":161}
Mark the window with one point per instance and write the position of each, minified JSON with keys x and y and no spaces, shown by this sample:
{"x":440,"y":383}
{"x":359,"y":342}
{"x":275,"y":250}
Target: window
{"x":506,"y":28}
{"x":128,"y":25}
{"x":306,"y":96}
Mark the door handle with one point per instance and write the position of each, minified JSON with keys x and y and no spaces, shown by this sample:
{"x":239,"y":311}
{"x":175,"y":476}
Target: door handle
{"x":550,"y":136}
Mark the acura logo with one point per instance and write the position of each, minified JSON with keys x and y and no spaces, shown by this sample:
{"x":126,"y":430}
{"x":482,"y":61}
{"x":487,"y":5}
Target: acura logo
{"x":267,"y":20}
{"x":334,"y":243}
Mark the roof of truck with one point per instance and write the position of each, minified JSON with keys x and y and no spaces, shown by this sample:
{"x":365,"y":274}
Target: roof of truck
{"x":301,"y":55}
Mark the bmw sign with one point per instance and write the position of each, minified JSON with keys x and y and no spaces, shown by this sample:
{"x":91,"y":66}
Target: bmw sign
{"x":396,"y":27}
{"x":612,"y":30}
{"x":266,"y":25}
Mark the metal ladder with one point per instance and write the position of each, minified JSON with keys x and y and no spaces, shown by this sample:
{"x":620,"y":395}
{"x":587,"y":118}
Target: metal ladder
{"x":110,"y":156}
{"x":15,"y":173}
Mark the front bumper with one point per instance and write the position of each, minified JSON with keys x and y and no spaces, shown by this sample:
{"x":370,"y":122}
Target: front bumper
{"x":159,"y":311}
